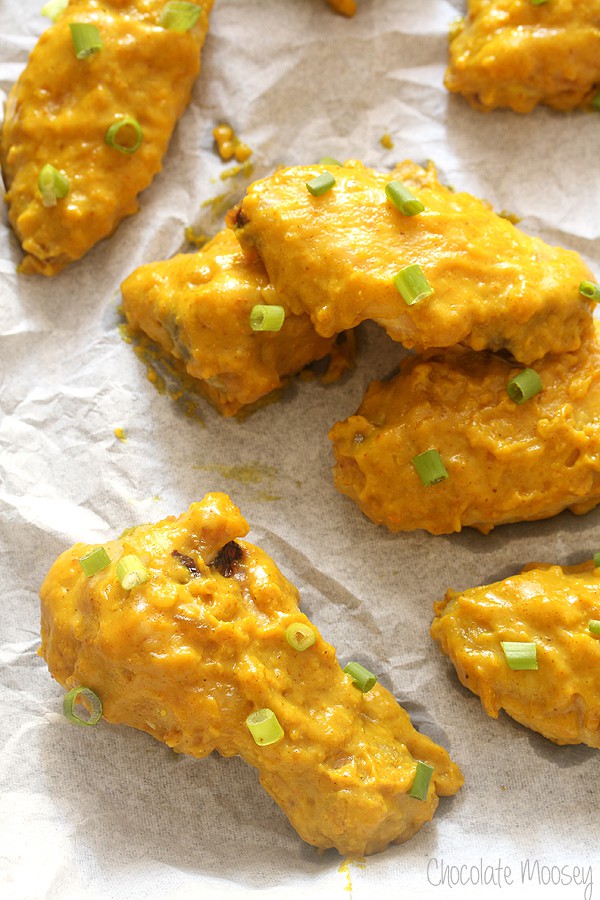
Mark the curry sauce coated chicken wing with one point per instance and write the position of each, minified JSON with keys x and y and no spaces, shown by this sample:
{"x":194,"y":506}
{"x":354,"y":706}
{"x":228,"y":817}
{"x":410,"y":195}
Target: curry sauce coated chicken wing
{"x":505,"y":461}
{"x":61,"y":110}
{"x":516,"y":54}
{"x":550,"y":607}
{"x":190,"y":652}
{"x":336,"y":257}
{"x":197,"y":307}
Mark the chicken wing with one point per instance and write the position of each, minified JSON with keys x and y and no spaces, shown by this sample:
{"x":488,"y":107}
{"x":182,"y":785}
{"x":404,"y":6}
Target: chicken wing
{"x":336,"y":256}
{"x":60,"y":113}
{"x":197,"y":307}
{"x":505,"y":461}
{"x":550,"y":607}
{"x":188,"y":654}
{"x":516,"y":54}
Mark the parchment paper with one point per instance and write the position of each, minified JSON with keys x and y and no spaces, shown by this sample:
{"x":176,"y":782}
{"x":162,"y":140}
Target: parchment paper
{"x":109,"y":812}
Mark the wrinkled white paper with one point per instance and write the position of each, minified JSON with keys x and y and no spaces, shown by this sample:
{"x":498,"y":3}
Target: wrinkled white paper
{"x":109,"y":812}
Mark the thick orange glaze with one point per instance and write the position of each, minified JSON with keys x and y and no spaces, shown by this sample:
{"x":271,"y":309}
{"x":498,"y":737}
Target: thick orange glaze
{"x":186,"y":657}
{"x":551,"y":607}
{"x":336,"y":256}
{"x":197,"y":307}
{"x":60,"y":108}
{"x":514,"y":54}
{"x":507,"y":462}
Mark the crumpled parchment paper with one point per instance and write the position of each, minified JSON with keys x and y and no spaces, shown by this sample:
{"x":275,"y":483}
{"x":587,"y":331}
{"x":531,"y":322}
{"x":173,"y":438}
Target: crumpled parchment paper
{"x":110,"y":813}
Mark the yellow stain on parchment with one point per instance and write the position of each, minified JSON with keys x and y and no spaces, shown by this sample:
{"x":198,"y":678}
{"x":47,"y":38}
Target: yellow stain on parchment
{"x":344,"y":869}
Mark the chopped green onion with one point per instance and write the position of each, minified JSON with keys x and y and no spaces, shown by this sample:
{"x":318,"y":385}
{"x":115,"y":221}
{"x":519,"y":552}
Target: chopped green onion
{"x":524,"y":386}
{"x":329,"y":161}
{"x":264,"y":727}
{"x":596,"y":101}
{"x":594,"y":626}
{"x":267,"y":318}
{"x":412,"y":284}
{"x":131,"y":572}
{"x":300,"y":636}
{"x":590,"y":290}
{"x":361,"y":677}
{"x":113,"y":130}
{"x":429,"y":466}
{"x":86,"y":39}
{"x":537,"y":2}
{"x":54,"y":9}
{"x":596,"y":559}
{"x":520,"y":654}
{"x":421,"y":783}
{"x":94,"y":561}
{"x":73,"y":698}
{"x":402,"y":199}
{"x":321,"y":184}
{"x":179,"y":15}
{"x":53,"y":185}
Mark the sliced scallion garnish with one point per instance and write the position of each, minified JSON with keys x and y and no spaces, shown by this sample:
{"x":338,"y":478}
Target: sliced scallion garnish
{"x":76,"y":697}
{"x":420,"y":785}
{"x":131,"y":572}
{"x":53,"y":185}
{"x":112,"y":133}
{"x":524,"y":386}
{"x":537,"y":2}
{"x":329,"y":161}
{"x":596,"y":101}
{"x":267,"y":318}
{"x":179,"y":15}
{"x":300,"y":636}
{"x":590,"y":290}
{"x":402,"y":199}
{"x":264,"y":727}
{"x":86,"y":39}
{"x":430,"y":467}
{"x":596,"y":559}
{"x":320,"y":184}
{"x":94,"y":561}
{"x":520,"y":654}
{"x":54,"y":9}
{"x":594,"y":626}
{"x":412,"y":284}
{"x":361,"y":677}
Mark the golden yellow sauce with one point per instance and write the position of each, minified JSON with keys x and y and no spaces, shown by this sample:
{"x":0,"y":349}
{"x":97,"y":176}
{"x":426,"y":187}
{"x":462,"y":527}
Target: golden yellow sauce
{"x":189,"y":654}
{"x":345,"y":7}
{"x":229,"y":145}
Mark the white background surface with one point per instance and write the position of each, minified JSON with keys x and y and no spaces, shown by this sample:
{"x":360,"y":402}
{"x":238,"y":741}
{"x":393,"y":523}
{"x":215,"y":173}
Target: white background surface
{"x":108,"y":812}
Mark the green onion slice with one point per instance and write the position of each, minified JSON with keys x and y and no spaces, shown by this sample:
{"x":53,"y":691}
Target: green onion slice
{"x":131,"y":572}
{"x":590,"y":290}
{"x":402,"y":199}
{"x":596,"y":101}
{"x":264,"y":727}
{"x":361,"y":677}
{"x":524,"y":386}
{"x":594,"y":626}
{"x":329,"y":161}
{"x":53,"y":185}
{"x":300,"y":636}
{"x":54,"y":9}
{"x":112,"y":133}
{"x":74,"y":698}
{"x":179,"y":15}
{"x":430,"y":467}
{"x":321,"y":184}
{"x":596,"y":559}
{"x":94,"y":561}
{"x":520,"y":654}
{"x":538,"y":2}
{"x":420,"y":785}
{"x":412,"y":284}
{"x":267,"y":318}
{"x":86,"y":39}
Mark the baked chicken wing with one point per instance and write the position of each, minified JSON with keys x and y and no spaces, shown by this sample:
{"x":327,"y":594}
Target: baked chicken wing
{"x":337,"y":255}
{"x":505,"y":461}
{"x":60,"y":114}
{"x":516,"y":54}
{"x":197,"y":307}
{"x":191,"y":652}
{"x":550,"y":607}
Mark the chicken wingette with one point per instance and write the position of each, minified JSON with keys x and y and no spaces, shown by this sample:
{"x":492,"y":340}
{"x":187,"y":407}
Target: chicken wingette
{"x":197,"y":307}
{"x":191,"y":652}
{"x":551,"y":608}
{"x":505,"y":461}
{"x":337,"y":255}
{"x":516,"y":54}
{"x":82,"y":137}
